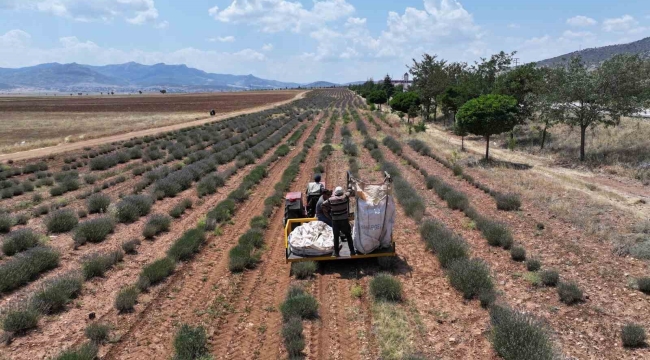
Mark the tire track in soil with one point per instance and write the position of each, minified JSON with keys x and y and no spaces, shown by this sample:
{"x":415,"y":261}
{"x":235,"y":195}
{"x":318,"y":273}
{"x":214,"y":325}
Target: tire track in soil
{"x":261,"y":327}
{"x":267,"y":285}
{"x":191,"y":298}
{"x":335,"y":336}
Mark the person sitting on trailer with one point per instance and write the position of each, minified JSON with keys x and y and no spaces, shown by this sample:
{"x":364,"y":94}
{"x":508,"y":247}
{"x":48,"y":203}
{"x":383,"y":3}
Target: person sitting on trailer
{"x":337,"y":207}
{"x":320,"y":215}
{"x":314,"y":191}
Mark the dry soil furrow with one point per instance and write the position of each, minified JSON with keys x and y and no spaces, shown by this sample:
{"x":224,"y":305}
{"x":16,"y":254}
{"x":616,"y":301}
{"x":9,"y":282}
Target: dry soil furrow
{"x":189,"y":296}
{"x":260,"y":336}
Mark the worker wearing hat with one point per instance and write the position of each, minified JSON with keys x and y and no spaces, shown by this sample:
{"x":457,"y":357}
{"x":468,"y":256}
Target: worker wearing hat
{"x":314,"y":192}
{"x":337,"y":207}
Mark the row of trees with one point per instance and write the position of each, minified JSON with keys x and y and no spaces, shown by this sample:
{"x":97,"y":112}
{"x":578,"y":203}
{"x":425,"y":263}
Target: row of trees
{"x":492,"y":97}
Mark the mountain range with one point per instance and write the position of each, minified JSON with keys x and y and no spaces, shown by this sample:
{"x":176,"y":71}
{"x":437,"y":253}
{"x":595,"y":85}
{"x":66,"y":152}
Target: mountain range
{"x":595,"y":56}
{"x":133,"y":77}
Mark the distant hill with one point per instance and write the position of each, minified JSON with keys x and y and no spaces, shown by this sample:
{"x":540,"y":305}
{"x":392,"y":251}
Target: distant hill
{"x":130,"y":77}
{"x":595,"y":56}
{"x":320,"y":84}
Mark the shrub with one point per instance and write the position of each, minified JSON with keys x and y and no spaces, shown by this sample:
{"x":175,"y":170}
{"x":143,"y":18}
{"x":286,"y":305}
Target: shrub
{"x":56,"y":294}
{"x":94,"y":230}
{"x":487,"y":298}
{"x":569,"y":293}
{"x":96,"y":265}
{"x":6,"y":222}
{"x":496,"y":233}
{"x":155,"y":272}
{"x":127,"y":212}
{"x":299,"y":304}
{"x":456,"y":200}
{"x":98,"y":203}
{"x":22,"y":219}
{"x":86,"y":351}
{"x":386,"y":287}
{"x":549,"y":277}
{"x":294,"y":340}
{"x":633,"y":336}
{"x":242,"y":256}
{"x":518,"y":253}
{"x":508,"y":202}
{"x":97,"y":333}
{"x":471,"y":277}
{"x":190,"y":343}
{"x":61,"y":221}
{"x":90,"y":179}
{"x":644,"y":285}
{"x":41,"y":210}
{"x":180,"y":208}
{"x":259,"y":222}
{"x":304,"y":269}
{"x":19,"y":241}
{"x":187,"y":245}
{"x":156,"y":224}
{"x":20,"y":320}
{"x":26,"y":266}
{"x":393,"y":145}
{"x":518,"y":336}
{"x":253,"y":237}
{"x":457,"y":169}
{"x":126,"y":299}
{"x":533,"y":264}
{"x":447,"y":246}
{"x":130,"y":246}
{"x":223,"y":211}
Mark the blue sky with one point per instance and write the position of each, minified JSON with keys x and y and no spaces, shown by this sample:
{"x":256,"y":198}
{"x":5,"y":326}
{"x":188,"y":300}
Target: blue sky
{"x":305,"y":40}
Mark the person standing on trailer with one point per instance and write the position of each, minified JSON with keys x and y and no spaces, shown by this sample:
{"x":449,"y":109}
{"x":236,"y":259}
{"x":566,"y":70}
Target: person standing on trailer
{"x":314,"y":191}
{"x":320,"y":215}
{"x":337,"y":207}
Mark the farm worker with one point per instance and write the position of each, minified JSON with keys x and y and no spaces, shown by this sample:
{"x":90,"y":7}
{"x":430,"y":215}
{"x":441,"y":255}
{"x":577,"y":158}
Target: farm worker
{"x":320,"y":215}
{"x":337,"y":207}
{"x":314,"y":191}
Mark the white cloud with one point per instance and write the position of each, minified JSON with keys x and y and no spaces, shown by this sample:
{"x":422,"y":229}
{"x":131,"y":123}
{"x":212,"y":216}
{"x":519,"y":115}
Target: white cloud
{"x":513,"y":26}
{"x":14,"y":39}
{"x":162,"y":25}
{"x":279,"y":15}
{"x":625,"y":23}
{"x":581,"y":21}
{"x":222,"y":39}
{"x":576,"y":34}
{"x":267,"y":47}
{"x":355,"y":21}
{"x":133,"y":11}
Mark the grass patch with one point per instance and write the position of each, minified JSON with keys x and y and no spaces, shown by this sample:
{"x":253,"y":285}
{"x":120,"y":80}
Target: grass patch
{"x":633,"y":336}
{"x":126,"y":299}
{"x":131,"y":246}
{"x":97,"y":333}
{"x":294,"y":340}
{"x":56,"y":294}
{"x":393,"y":331}
{"x":549,"y":277}
{"x":508,"y":202}
{"x":155,"y":272}
{"x":518,"y":253}
{"x":156,"y":224}
{"x":86,"y":351}
{"x":187,"y":245}
{"x":20,"y":320}
{"x":96,"y":265}
{"x":299,"y":304}
{"x":570,"y":293}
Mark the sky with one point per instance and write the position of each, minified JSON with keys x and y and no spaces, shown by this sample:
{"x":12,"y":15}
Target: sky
{"x":308,"y":40}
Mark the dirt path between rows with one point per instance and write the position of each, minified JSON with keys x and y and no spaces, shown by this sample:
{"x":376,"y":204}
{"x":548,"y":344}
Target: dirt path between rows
{"x":43,"y":152}
{"x":629,"y":196}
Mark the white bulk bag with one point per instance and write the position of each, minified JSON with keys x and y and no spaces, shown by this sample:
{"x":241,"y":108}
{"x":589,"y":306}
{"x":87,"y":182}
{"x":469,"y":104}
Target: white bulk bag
{"x":374,"y":217}
{"x":312,"y":239}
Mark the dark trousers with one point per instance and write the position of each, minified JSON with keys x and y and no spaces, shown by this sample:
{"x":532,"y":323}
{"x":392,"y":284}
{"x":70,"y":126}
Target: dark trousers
{"x":342,"y":226}
{"x":311,"y":205}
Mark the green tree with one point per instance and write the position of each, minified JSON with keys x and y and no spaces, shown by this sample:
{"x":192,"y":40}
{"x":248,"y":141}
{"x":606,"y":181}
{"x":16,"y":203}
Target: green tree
{"x":602,"y":96}
{"x":488,"y":115}
{"x":388,"y":86}
{"x":378,"y":97}
{"x":521,"y":83}
{"x":459,"y":130}
{"x":546,"y":100}
{"x":412,"y":113}
{"x":403,"y":101}
{"x":429,"y":81}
